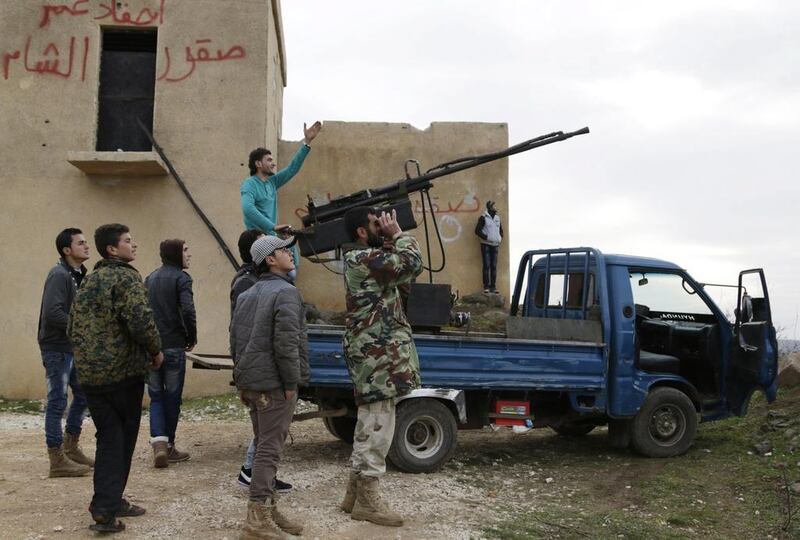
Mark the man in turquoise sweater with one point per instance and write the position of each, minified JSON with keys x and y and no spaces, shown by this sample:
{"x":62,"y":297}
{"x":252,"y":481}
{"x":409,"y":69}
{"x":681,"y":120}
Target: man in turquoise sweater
{"x":260,"y":191}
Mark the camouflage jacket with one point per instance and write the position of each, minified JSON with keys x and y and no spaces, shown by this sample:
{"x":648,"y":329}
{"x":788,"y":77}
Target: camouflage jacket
{"x":111,"y":327}
{"x":379,"y":351}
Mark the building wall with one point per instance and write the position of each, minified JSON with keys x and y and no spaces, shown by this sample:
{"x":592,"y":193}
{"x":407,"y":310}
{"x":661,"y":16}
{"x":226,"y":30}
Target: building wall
{"x":351,"y":156}
{"x":208,"y":116}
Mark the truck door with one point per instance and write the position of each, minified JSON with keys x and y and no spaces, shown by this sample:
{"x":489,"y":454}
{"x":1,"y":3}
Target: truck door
{"x":753,"y":363}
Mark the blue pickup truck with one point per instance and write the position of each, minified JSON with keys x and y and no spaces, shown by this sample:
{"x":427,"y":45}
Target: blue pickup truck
{"x":629,"y":342}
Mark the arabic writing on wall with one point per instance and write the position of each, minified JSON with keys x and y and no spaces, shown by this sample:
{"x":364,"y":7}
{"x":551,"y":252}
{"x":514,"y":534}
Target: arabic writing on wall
{"x":66,"y":57}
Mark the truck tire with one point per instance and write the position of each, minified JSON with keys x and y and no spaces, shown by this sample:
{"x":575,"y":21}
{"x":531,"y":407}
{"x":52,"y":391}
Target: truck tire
{"x":341,"y":427}
{"x":666,"y":424}
{"x":424,"y":436}
{"x":573,"y":429}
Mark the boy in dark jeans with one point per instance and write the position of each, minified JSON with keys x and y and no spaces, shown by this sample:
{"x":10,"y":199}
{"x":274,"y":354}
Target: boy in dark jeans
{"x":115,"y":341}
{"x":169,"y":290}
{"x":63,"y":280}
{"x":490,"y":230}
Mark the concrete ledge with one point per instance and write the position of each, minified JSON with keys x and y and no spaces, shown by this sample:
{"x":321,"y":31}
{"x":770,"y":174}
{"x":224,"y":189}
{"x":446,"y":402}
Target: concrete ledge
{"x":118,"y":163}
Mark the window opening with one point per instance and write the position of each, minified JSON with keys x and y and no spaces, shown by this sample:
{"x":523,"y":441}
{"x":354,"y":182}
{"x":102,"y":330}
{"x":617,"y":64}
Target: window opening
{"x":127,"y":89}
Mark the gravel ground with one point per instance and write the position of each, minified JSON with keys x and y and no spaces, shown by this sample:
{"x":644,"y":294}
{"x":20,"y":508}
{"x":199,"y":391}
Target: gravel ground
{"x":200,"y":499}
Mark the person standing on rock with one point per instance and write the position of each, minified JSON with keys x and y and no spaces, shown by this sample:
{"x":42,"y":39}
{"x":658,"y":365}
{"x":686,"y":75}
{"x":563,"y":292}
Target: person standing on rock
{"x":115,"y":339}
{"x":60,"y":287}
{"x":169,"y":291}
{"x":379,"y":350}
{"x":269,"y":345}
{"x":259,"y":192}
{"x":490,"y":230}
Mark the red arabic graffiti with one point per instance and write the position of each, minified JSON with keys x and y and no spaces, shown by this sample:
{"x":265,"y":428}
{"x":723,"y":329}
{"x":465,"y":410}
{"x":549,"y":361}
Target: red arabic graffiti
{"x":50,"y":61}
{"x":117,"y":11}
{"x":69,"y":60}
{"x":457,"y":209}
{"x":202,"y":54}
{"x":120,"y":15}
{"x":48,"y":10}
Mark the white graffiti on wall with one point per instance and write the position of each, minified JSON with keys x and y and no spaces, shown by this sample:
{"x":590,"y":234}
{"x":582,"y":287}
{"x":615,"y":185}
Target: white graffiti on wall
{"x":450,"y":228}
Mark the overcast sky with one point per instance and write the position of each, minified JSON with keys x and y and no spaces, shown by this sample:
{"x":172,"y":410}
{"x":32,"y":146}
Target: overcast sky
{"x":694,"y":108}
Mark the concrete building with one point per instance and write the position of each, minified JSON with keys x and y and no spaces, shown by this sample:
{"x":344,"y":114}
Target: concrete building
{"x":74,"y":77}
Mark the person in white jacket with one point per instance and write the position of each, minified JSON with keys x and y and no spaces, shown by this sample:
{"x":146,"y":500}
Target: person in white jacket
{"x":490,"y":230}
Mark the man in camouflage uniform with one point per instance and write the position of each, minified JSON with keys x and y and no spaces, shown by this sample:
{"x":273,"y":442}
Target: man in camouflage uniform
{"x":115,"y":340}
{"x":379,"y":351}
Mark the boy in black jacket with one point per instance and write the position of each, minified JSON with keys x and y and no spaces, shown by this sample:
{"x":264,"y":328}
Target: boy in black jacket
{"x":169,"y":290}
{"x":63,"y":280}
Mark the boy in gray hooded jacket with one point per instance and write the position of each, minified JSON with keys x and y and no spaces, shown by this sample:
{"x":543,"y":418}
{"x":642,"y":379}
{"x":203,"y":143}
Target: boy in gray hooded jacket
{"x":269,"y":344}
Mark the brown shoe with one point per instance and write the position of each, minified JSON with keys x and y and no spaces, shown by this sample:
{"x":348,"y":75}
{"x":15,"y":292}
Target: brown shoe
{"x":350,"y":494}
{"x":74,"y":452}
{"x":259,"y":524}
{"x":370,"y":507}
{"x":175,"y":455}
{"x":280,"y":519}
{"x":62,"y":466}
{"x":160,"y":454}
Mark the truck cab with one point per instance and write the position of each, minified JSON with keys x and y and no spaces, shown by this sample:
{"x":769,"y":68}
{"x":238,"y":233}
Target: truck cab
{"x":661,"y":330}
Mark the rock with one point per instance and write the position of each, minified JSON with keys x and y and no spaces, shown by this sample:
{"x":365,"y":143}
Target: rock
{"x":496,"y":316}
{"x":548,"y":480}
{"x":485,"y":299}
{"x":795,"y":488}
{"x":791,"y":432}
{"x":764,"y":447}
{"x":789,"y":375}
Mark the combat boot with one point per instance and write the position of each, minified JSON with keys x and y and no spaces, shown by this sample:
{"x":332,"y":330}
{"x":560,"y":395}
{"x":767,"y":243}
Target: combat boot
{"x":280,"y":519}
{"x":370,"y":507}
{"x":350,"y":494}
{"x":160,"y":454}
{"x":259,"y":524}
{"x":61,"y":465}
{"x":74,"y":452}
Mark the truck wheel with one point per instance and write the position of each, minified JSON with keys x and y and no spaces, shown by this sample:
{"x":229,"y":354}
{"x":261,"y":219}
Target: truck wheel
{"x":341,"y":427}
{"x":666,"y":424}
{"x":424,"y":436}
{"x":573,"y":429}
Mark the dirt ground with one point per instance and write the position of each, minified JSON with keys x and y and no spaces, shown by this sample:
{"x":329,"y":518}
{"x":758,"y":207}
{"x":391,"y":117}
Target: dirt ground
{"x":500,"y":484}
{"x":199,"y":498}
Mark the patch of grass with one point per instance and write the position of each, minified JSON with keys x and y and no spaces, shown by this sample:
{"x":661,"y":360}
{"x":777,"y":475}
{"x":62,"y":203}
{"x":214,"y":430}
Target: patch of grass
{"x":720,"y":488}
{"x":23,"y":406}
{"x":221,"y":407}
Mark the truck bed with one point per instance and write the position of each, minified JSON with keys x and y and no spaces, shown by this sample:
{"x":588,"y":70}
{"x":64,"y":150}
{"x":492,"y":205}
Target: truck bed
{"x":475,"y":361}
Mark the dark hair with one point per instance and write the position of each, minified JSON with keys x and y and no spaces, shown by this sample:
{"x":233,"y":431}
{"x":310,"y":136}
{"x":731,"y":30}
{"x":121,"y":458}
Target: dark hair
{"x":355,"y":218}
{"x":256,"y":155}
{"x":171,"y":252}
{"x":246,"y":240}
{"x":64,"y":239}
{"x":108,"y":235}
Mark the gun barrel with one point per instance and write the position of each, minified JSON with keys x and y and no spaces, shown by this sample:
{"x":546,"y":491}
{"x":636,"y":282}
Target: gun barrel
{"x":380,"y":195}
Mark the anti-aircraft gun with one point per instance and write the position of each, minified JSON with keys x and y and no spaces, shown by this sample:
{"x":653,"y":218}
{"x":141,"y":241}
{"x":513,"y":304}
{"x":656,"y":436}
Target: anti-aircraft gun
{"x":324,"y":230}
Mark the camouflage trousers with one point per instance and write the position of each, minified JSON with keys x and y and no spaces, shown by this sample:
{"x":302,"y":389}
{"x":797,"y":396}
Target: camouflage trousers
{"x":373,"y":437}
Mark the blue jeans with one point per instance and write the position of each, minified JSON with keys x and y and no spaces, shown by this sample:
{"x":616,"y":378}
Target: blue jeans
{"x":60,"y":372}
{"x":251,"y":453}
{"x":489,"y":258}
{"x":165,"y":387}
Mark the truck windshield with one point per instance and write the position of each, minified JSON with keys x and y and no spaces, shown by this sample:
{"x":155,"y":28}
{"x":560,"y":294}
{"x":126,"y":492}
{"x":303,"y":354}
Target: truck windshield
{"x":666,"y":293}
